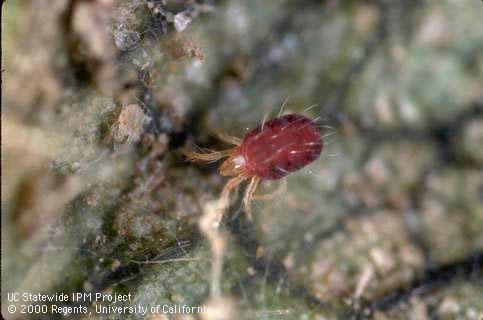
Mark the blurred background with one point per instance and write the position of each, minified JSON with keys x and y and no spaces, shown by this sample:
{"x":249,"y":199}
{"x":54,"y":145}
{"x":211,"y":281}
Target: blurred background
{"x":99,"y":98}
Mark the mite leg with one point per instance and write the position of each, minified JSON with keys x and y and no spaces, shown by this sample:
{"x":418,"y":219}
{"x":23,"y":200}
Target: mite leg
{"x":210,"y":156}
{"x":227,"y":138}
{"x":277,"y":192}
{"x":247,"y":199}
{"x":224,"y":201}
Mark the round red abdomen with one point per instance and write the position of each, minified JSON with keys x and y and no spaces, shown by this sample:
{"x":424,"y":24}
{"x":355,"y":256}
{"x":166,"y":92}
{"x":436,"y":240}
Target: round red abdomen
{"x":281,"y":146}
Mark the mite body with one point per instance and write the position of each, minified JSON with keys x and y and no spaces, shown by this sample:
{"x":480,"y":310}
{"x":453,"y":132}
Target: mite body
{"x":281,"y":146}
{"x":271,"y":151}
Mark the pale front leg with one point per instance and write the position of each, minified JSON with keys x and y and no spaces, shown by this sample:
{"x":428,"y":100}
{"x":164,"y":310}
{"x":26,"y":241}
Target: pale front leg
{"x":247,"y":200}
{"x":210,"y":156}
{"x":227,"y":138}
{"x":224,"y":201}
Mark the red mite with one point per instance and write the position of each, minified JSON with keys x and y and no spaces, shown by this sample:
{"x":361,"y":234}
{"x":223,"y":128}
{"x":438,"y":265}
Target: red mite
{"x":271,"y":151}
